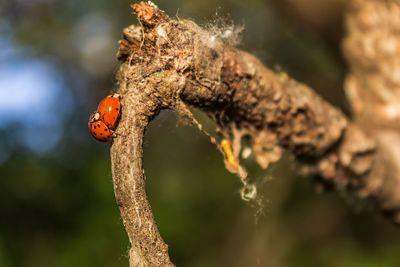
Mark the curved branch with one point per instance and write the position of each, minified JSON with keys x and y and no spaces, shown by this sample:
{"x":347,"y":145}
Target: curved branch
{"x":173,"y":63}
{"x":148,"y":248}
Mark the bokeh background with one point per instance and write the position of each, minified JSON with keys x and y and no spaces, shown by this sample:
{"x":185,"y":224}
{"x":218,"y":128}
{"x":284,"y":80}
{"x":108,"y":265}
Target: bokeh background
{"x":57,"y":208}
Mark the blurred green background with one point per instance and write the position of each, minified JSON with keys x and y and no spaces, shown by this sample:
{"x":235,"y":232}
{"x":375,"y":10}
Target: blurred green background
{"x":57,"y":208}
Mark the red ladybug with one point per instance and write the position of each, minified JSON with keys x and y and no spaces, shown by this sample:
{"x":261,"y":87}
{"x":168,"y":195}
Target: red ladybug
{"x":109,"y":109}
{"x":99,"y":129}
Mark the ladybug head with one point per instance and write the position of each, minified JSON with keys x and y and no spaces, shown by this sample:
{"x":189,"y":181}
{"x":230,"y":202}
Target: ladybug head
{"x":95,"y":116}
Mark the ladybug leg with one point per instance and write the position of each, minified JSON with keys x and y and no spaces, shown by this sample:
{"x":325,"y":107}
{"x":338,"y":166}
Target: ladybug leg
{"x":114,"y":134}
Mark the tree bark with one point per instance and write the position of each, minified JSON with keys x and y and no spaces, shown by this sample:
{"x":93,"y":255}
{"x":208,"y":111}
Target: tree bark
{"x":372,"y":47}
{"x":170,"y":64}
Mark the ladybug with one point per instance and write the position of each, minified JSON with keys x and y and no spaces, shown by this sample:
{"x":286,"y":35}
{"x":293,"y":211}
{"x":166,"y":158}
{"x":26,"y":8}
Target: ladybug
{"x":99,"y":129}
{"x":109,"y":109}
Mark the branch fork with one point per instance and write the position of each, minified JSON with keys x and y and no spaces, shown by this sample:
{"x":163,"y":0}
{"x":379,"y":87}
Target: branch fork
{"x":173,"y":64}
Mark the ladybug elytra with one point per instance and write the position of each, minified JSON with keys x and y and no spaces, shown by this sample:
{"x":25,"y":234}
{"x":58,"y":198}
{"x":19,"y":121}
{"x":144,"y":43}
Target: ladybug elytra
{"x":99,"y":129}
{"x":109,"y":109}
{"x":105,"y":119}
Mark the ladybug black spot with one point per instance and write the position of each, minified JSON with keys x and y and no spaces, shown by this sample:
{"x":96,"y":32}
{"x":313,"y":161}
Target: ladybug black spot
{"x":106,"y":130}
{"x":116,"y":109}
{"x":101,"y":134}
{"x":94,"y":134}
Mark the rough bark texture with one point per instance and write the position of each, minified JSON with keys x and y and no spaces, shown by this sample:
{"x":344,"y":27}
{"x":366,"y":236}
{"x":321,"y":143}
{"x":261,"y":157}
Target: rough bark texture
{"x":372,"y":48}
{"x":174,"y":63}
{"x":129,"y":181}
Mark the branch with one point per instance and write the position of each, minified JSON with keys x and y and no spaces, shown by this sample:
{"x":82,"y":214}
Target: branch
{"x":148,"y":248}
{"x":169,"y":64}
{"x":372,"y":47}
